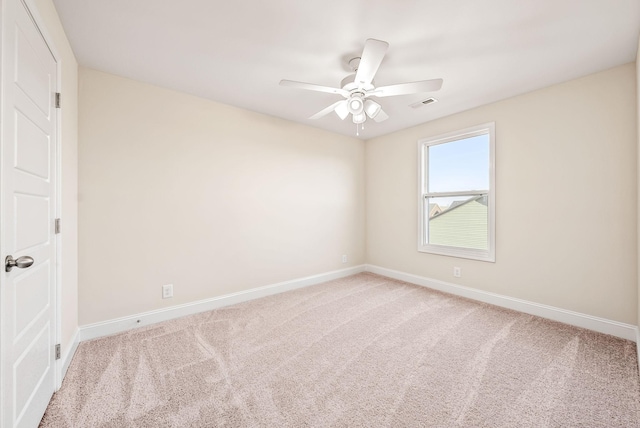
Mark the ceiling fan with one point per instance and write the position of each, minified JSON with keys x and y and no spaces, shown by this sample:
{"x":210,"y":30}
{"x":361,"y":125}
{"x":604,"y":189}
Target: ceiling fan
{"x":358,"y":88}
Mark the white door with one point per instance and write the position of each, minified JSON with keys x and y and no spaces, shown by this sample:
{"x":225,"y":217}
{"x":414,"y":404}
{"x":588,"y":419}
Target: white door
{"x":27,"y":207}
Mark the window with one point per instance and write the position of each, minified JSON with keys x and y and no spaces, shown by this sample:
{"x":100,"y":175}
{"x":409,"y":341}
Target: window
{"x":456,"y":194}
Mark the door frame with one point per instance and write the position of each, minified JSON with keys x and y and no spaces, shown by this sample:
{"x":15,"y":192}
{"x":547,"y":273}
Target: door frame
{"x":40,"y":24}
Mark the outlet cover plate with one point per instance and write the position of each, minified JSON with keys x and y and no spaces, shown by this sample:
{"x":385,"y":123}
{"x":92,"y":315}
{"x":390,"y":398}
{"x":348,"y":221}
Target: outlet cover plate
{"x":167,"y":291}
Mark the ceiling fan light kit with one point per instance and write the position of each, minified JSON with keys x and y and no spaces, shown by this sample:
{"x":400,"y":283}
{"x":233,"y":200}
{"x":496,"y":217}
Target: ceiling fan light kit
{"x":359,"y":118}
{"x":355,"y":104}
{"x":357,"y":88}
{"x":372,"y":108}
{"x":342,"y":110}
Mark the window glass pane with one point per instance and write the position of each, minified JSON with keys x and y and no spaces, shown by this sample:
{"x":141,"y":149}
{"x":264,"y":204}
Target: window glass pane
{"x":459,"y":165}
{"x":460,"y":221}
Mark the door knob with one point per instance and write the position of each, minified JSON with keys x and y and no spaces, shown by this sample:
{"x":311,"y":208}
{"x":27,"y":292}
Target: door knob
{"x":20,"y":262}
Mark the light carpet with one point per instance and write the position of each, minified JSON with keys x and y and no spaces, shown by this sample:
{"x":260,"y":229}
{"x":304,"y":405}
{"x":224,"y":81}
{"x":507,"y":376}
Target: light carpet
{"x":363,"y":351}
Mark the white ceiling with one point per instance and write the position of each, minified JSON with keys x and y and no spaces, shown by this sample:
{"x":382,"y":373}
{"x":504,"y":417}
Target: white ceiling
{"x":237,"y":51}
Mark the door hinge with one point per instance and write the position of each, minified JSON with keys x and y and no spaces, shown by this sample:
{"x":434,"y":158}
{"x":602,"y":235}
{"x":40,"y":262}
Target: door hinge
{"x":57,"y":99}
{"x":57,"y":226}
{"x":58,"y":351}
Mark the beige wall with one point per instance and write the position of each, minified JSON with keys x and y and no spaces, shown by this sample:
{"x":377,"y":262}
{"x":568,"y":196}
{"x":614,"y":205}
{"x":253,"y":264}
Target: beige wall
{"x":213,"y":199}
{"x":46,"y":14}
{"x":638,"y":166}
{"x":565,"y":198}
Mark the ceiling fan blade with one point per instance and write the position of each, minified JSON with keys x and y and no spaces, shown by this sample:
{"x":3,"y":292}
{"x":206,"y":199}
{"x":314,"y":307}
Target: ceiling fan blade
{"x":313,"y":87}
{"x":381,"y":116}
{"x":326,"y":111}
{"x":407,"y":88}
{"x":372,"y":55}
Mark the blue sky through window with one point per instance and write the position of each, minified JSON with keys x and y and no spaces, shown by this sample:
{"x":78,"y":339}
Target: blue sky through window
{"x":459,"y":165}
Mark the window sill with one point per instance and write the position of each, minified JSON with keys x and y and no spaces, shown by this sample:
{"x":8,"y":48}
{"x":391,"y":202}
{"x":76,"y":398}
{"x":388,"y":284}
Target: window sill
{"x":463,"y":253}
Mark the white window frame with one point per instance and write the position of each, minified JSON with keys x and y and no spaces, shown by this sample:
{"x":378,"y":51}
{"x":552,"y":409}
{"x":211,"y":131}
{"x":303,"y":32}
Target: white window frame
{"x":488,"y":255}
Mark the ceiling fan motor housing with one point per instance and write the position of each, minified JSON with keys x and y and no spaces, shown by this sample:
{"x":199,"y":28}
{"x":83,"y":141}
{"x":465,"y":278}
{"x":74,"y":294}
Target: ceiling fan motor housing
{"x":348,"y":84}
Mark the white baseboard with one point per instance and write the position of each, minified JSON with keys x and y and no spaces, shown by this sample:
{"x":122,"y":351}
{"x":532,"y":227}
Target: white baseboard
{"x":106,"y":328}
{"x":65,"y":360}
{"x":602,"y":325}
{"x":118,"y":325}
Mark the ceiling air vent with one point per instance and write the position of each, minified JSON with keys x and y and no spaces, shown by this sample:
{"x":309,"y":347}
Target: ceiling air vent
{"x":424,"y":103}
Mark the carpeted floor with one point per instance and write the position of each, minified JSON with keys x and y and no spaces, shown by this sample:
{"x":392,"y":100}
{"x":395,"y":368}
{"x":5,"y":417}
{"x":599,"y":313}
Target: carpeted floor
{"x":363,"y":351}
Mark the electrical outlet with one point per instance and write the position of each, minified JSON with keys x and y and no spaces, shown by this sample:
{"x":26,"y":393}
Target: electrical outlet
{"x":344,"y":258}
{"x":457,"y":272}
{"x":167,"y":291}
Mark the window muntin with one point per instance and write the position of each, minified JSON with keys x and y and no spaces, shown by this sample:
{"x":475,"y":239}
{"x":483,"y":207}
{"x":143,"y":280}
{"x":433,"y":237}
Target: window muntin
{"x":456,"y":203}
